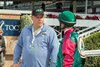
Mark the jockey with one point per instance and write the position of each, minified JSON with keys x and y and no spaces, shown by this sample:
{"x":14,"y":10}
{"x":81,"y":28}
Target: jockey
{"x":69,"y":55}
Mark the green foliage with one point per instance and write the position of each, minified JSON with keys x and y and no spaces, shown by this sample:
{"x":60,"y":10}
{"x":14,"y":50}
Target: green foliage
{"x":92,"y":43}
{"x":25,"y":20}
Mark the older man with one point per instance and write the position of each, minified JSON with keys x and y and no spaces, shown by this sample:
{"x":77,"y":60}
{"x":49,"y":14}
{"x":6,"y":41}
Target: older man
{"x":37,"y":43}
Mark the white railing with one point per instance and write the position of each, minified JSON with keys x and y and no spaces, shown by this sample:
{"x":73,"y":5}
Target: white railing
{"x":88,"y":33}
{"x":90,"y":53}
{"x":87,"y":53}
{"x":8,"y":11}
{"x":16,"y":12}
{"x":87,"y":29}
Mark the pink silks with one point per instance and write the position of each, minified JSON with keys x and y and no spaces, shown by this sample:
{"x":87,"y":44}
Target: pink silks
{"x":68,"y":48}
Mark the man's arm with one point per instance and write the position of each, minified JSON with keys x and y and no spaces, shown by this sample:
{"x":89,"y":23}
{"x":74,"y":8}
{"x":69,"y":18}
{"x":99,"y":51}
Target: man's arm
{"x":18,"y":50}
{"x":54,"y":42}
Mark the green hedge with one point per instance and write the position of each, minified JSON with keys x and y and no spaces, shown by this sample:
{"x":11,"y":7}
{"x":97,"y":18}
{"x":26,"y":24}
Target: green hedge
{"x":25,"y":20}
{"x":92,"y":42}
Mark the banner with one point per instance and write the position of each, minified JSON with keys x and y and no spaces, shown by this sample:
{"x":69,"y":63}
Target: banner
{"x":10,"y":27}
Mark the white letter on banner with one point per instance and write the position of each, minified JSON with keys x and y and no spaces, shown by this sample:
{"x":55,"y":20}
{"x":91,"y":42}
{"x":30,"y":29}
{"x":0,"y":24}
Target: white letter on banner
{"x":16,"y":27}
{"x":11,"y":27}
{"x":6,"y":27}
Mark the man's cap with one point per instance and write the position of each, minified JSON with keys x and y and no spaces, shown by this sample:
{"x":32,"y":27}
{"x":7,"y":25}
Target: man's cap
{"x":37,"y":11}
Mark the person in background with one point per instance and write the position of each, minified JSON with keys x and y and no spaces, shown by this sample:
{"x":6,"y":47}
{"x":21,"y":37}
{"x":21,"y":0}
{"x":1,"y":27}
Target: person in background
{"x":43,"y":6}
{"x":2,"y":49}
{"x":69,"y":54}
{"x":59,"y":6}
{"x":71,"y":6}
{"x":37,"y":44}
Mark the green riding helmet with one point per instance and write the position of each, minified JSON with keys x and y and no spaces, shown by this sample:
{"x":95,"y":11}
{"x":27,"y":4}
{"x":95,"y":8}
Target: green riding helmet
{"x":68,"y":18}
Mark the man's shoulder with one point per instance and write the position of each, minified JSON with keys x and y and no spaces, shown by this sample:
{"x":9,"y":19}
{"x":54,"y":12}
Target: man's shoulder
{"x":49,"y":28}
{"x":27,"y":27}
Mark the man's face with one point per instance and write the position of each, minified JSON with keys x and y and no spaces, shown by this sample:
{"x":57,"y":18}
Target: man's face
{"x":38,"y":20}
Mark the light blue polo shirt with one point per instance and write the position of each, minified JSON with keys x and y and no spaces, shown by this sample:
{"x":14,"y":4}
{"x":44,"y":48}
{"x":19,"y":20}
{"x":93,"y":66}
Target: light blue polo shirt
{"x":39,"y":52}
